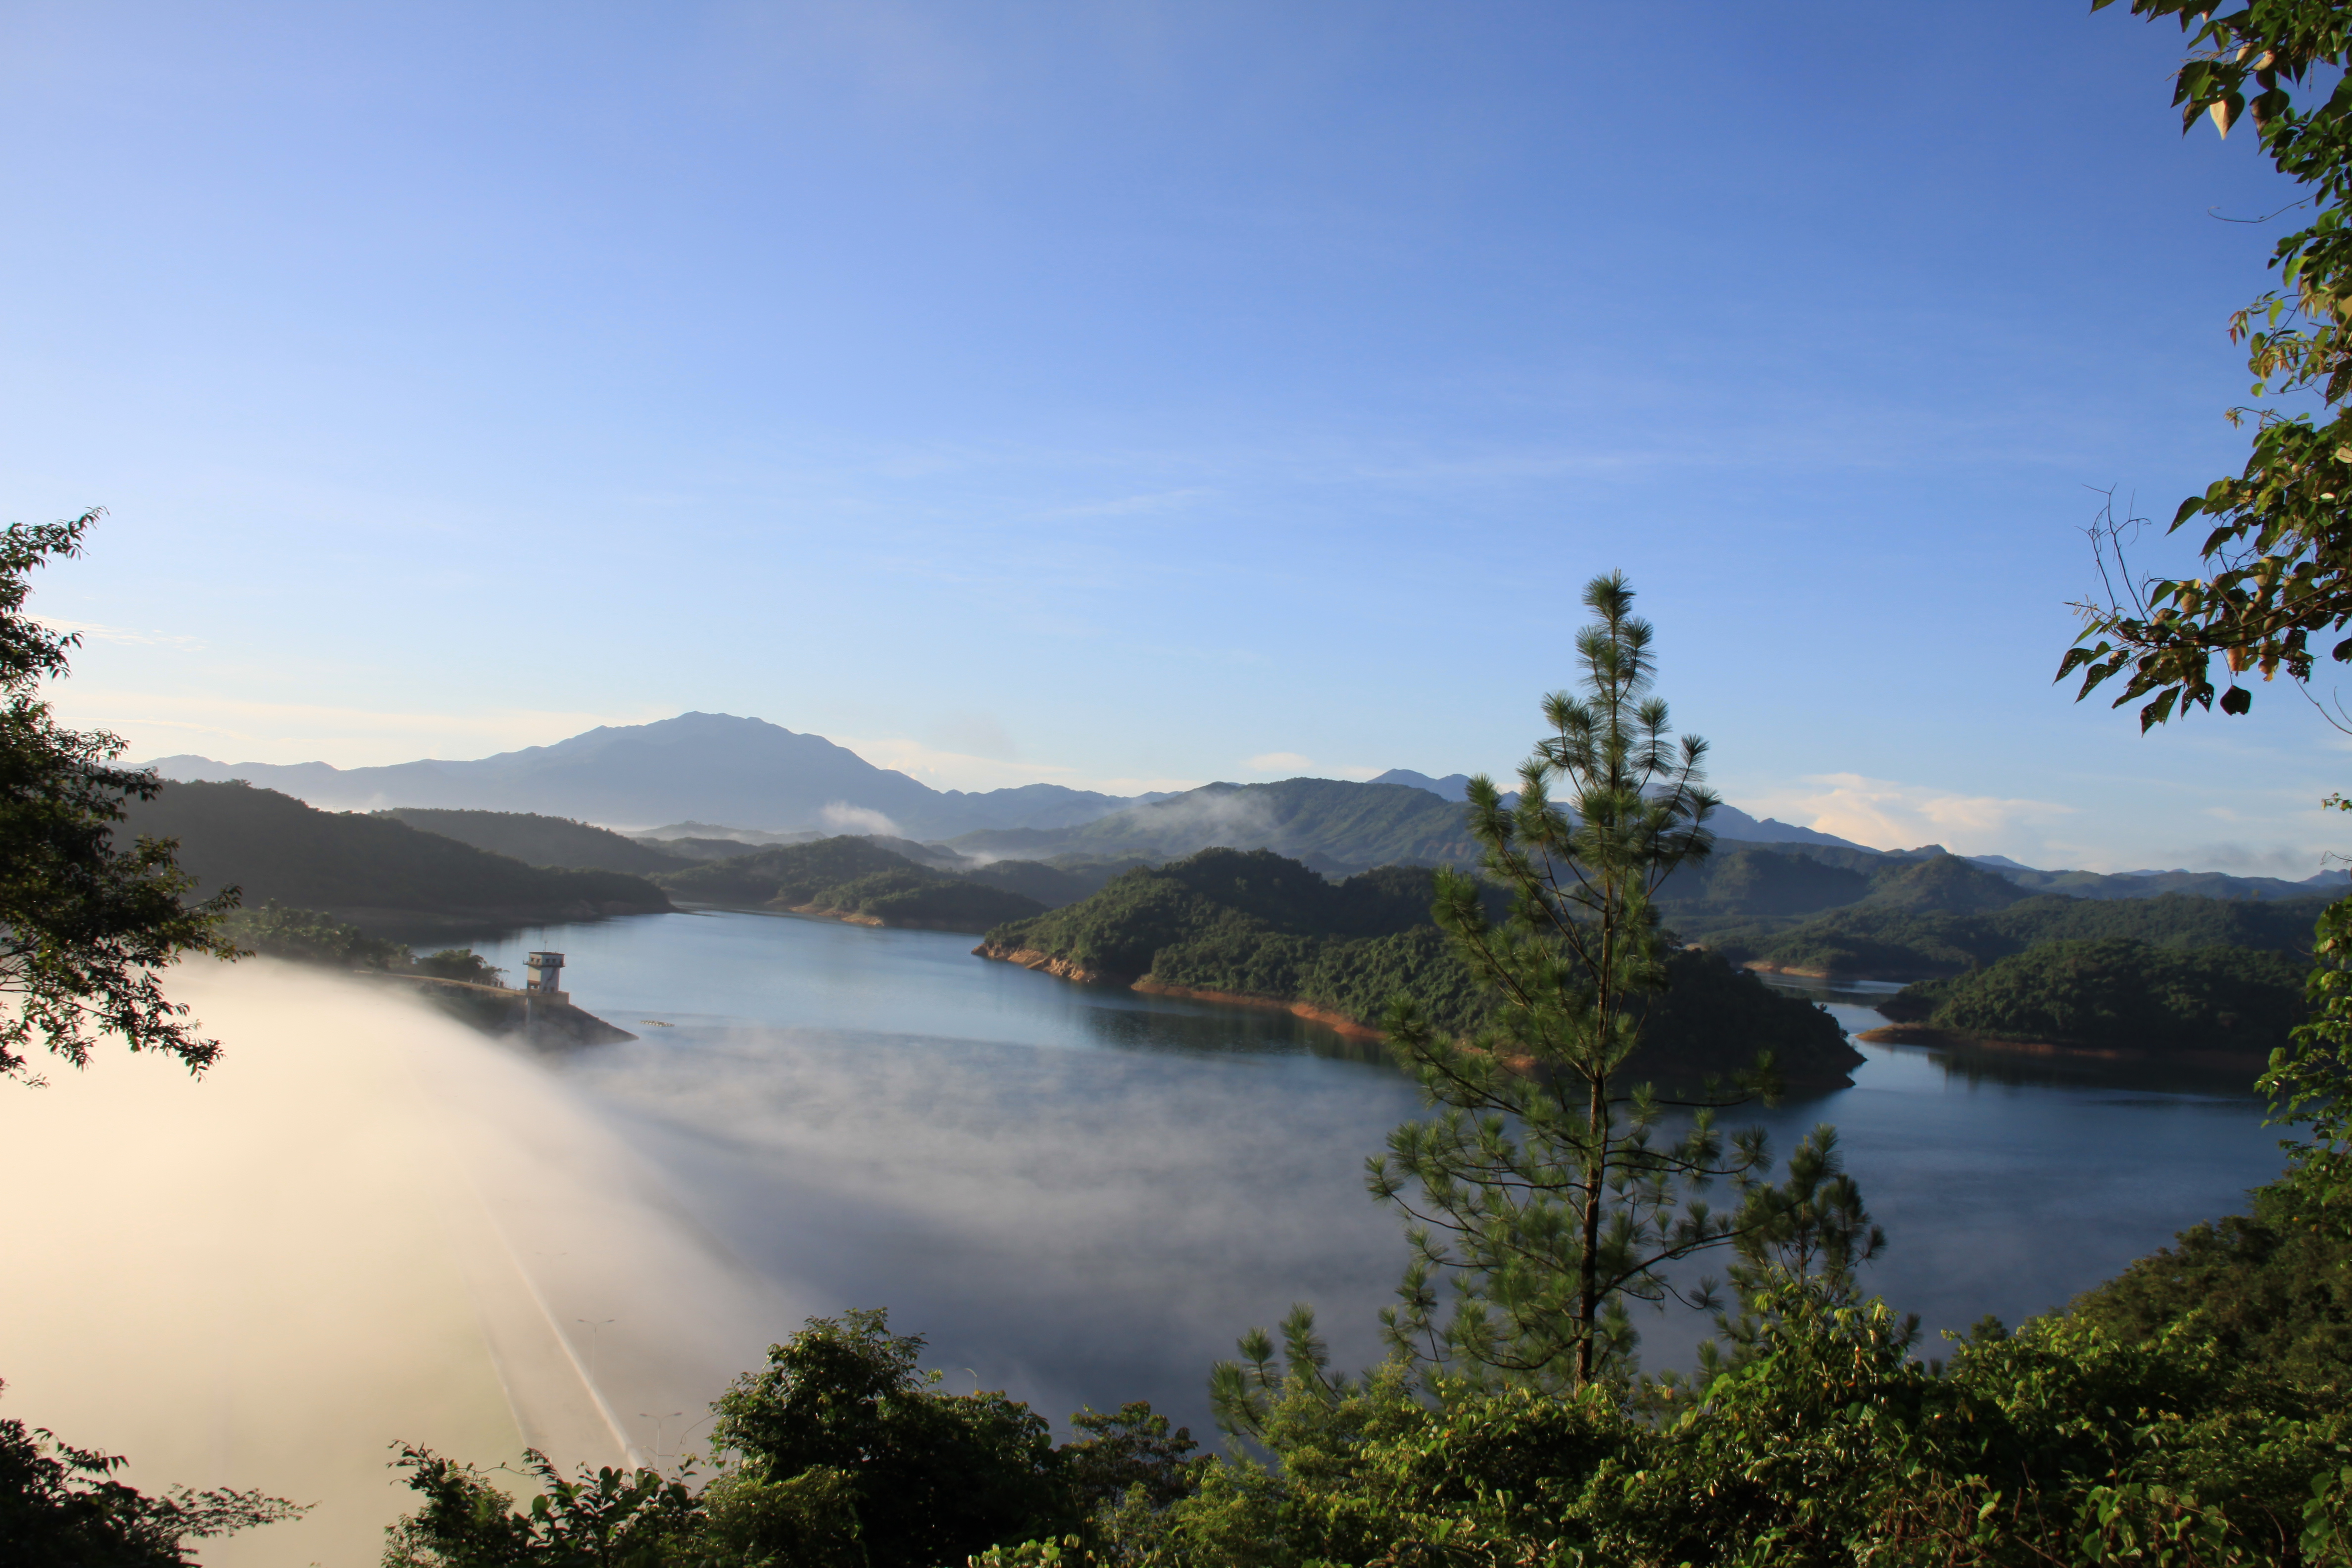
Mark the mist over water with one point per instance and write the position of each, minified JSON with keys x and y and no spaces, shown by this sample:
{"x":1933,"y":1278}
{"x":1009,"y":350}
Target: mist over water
{"x":1083,"y":1195}
{"x":371,"y":1223}
{"x":1077,"y":1193}
{"x":366,"y":1224}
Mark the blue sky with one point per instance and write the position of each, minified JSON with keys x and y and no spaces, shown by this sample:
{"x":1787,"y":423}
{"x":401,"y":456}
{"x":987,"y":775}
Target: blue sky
{"x":1134,"y":395}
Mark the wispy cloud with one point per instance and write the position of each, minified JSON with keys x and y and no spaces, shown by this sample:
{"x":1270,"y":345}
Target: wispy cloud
{"x":962,"y":770}
{"x":94,"y":631}
{"x":843,"y":817}
{"x":1890,"y":815}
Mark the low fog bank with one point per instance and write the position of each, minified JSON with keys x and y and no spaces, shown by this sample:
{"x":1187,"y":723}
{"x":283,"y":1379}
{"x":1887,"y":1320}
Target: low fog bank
{"x":1090,"y":1226}
{"x":367,"y":1224}
{"x":1077,"y":1227}
{"x":370,"y":1222}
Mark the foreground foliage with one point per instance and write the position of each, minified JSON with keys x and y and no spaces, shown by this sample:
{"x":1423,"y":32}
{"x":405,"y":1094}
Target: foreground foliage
{"x":1550,"y":1189}
{"x":2310,"y":1078}
{"x":2062,"y":1442}
{"x":2280,"y":549}
{"x":844,"y":1453}
{"x":86,"y":923}
{"x":62,"y":1507}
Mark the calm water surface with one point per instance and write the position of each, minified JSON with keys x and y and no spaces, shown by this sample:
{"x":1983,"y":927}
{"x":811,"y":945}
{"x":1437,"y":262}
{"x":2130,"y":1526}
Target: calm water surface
{"x":1083,"y":1195}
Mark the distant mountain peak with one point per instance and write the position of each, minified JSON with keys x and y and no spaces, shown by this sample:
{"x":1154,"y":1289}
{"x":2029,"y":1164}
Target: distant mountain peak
{"x":693,"y":766}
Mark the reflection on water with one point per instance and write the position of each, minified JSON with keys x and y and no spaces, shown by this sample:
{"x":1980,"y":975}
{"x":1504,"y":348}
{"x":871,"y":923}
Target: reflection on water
{"x":1082,"y":1194}
{"x":733,"y":967}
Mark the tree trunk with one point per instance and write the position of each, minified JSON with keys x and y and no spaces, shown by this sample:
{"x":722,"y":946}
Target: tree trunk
{"x":1588,"y":1283}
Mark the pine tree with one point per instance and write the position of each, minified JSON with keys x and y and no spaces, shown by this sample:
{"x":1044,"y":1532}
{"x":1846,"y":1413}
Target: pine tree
{"x":1550,"y":1188}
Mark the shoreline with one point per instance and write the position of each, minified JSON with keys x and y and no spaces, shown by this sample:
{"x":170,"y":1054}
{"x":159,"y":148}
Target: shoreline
{"x":1063,"y":969}
{"x":827,"y":913}
{"x":1928,"y":1036}
{"x":1352,"y":1028}
{"x":500,"y":1012}
{"x":1047,"y":963}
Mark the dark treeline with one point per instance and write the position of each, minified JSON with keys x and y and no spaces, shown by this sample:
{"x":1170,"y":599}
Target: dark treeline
{"x":1879,"y":942}
{"x":377,"y":873}
{"x":855,"y":878}
{"x":1253,"y":923}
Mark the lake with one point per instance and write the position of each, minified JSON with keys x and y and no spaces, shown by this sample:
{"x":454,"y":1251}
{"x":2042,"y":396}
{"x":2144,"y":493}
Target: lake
{"x":1082,"y":1195}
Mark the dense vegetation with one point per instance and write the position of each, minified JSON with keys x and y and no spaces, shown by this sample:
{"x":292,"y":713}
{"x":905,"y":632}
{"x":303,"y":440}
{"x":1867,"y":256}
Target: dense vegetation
{"x":540,"y":840}
{"x":308,"y":936}
{"x":1895,"y":942}
{"x":2120,"y":994}
{"x":2151,"y":884}
{"x":855,"y":878}
{"x":1116,"y":933}
{"x":2273,"y":1286}
{"x":63,"y":1507}
{"x":1253,"y":923}
{"x":2191,"y":1411}
{"x":1063,"y":879}
{"x":89,"y":916}
{"x":847,"y":1455}
{"x":372,"y":871}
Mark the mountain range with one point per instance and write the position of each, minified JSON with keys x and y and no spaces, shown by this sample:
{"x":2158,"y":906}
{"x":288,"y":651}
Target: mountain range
{"x":698,"y":771}
{"x":701,"y":768}
{"x":1727,"y":821}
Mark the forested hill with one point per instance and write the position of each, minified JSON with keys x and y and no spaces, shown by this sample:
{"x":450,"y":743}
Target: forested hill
{"x":1895,"y":942}
{"x":377,"y":873}
{"x":1253,"y":925}
{"x":858,"y":880}
{"x":540,"y":840}
{"x":1335,"y":826}
{"x":2118,"y":995}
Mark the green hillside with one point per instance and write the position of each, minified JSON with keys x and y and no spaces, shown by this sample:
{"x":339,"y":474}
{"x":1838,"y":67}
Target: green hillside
{"x":1944,"y":883}
{"x":1064,"y":879}
{"x":2120,"y":994}
{"x":1891,"y":941}
{"x":1253,"y":924}
{"x":1326,"y":823}
{"x":1742,"y":882}
{"x":852,"y":879}
{"x":540,"y":840}
{"x":2205,"y":884}
{"x":380,"y":874}
{"x":786,"y":875}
